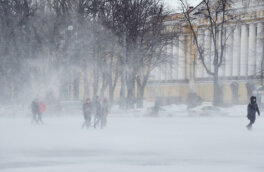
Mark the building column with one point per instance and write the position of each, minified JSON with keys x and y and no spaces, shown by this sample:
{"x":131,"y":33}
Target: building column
{"x":252,"y":50}
{"x":228,"y":52}
{"x":181,"y":67}
{"x":165,"y":65}
{"x":169,"y":64}
{"x":188,"y":57}
{"x":175,"y":58}
{"x":198,"y":61}
{"x":212,"y":52}
{"x":244,"y":52}
{"x":236,"y":52}
{"x":207,"y":52}
{"x":259,"y":54}
{"x":159,"y":73}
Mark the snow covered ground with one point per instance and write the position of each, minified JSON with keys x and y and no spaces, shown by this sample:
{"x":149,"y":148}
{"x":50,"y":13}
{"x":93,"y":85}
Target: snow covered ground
{"x":133,"y":143}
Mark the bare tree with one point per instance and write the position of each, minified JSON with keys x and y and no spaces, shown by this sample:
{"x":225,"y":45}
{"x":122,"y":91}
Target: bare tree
{"x":218,"y":14}
{"x":143,"y":21}
{"x":80,"y":38}
{"x":18,"y":27}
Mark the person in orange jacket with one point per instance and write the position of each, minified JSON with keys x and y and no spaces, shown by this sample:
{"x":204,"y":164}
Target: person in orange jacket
{"x":41,"y":109}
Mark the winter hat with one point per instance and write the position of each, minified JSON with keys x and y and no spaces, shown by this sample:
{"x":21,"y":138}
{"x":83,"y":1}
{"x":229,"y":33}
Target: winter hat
{"x":252,"y":99}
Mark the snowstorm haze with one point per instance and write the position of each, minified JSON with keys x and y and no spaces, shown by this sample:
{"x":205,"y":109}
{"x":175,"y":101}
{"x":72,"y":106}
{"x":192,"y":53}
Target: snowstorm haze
{"x":80,"y":48}
{"x":131,"y":85}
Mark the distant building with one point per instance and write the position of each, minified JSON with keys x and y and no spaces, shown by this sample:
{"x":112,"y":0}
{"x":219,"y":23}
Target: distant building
{"x":243,"y":56}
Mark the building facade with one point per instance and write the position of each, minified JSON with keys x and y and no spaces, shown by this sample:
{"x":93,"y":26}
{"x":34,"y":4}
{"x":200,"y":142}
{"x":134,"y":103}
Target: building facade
{"x":242,"y":61}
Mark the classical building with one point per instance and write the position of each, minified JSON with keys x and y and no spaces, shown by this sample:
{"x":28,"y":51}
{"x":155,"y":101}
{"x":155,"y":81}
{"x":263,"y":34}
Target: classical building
{"x":243,"y":55}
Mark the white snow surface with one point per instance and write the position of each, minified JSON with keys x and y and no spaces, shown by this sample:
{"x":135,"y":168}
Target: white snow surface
{"x":132,"y":141}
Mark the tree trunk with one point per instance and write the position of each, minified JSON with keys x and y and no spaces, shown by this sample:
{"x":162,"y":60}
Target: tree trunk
{"x":111,"y":94}
{"x":141,"y":88}
{"x":110,"y":81}
{"x":262,"y":69}
{"x":86,"y":84}
{"x":64,"y":86}
{"x":76,"y":81}
{"x":110,"y":91}
{"x":4,"y":91}
{"x":95,"y":74}
{"x":104,"y":85}
{"x":112,"y":84}
{"x":130,"y":100}
{"x":140,"y":95}
{"x":216,"y":99}
{"x":95,"y":84}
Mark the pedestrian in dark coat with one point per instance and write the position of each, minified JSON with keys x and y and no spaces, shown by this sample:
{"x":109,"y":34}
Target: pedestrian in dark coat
{"x":35,"y":110}
{"x":252,"y":109}
{"x":87,"y":113}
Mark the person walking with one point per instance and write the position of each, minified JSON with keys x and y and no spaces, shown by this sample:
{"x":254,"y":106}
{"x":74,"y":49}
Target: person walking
{"x":87,"y":112}
{"x":41,"y":109}
{"x":251,"y":111}
{"x":98,"y":112}
{"x":35,"y":110}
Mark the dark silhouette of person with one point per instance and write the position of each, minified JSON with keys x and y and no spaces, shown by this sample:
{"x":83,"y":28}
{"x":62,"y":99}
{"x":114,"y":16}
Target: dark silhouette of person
{"x":87,"y":113}
{"x":251,"y":111}
{"x":98,"y":111}
{"x":35,"y":110}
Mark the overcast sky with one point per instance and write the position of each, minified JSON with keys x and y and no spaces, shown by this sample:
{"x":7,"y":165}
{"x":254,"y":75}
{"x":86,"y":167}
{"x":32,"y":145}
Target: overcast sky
{"x":174,"y":4}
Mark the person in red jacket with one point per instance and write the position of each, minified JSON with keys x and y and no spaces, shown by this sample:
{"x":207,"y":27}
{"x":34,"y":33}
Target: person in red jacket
{"x":41,"y":110}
